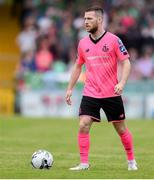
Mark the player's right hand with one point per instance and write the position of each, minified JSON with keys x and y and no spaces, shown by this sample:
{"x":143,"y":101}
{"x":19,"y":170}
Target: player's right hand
{"x":68,"y":97}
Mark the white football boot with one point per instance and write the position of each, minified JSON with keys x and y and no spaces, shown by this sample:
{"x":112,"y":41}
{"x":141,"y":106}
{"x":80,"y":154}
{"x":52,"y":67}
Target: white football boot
{"x":80,"y":167}
{"x":132,"y":165}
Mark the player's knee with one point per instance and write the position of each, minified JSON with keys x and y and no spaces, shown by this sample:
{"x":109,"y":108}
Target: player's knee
{"x":121,"y":130}
{"x":120,"y":127}
{"x":84,"y":127}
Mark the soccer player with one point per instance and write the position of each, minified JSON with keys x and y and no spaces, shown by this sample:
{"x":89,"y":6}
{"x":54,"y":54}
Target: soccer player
{"x":100,"y":51}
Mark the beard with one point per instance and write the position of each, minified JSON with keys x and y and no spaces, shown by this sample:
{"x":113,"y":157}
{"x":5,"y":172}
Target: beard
{"x":93,"y":30}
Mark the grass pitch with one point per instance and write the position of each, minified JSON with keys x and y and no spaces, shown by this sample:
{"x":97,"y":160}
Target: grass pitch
{"x":20,"y":137}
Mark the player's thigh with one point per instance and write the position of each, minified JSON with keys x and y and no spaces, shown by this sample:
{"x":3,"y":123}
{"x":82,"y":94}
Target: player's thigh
{"x":114,"y":109}
{"x":90,"y":107}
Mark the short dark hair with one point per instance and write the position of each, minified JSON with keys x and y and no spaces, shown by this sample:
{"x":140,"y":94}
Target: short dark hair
{"x":95,"y":8}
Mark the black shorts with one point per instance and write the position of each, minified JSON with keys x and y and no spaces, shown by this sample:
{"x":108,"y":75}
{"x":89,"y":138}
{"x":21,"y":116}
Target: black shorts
{"x":112,"y":106}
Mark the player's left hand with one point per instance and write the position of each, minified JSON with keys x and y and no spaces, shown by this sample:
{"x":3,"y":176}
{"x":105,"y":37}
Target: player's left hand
{"x":118,"y":88}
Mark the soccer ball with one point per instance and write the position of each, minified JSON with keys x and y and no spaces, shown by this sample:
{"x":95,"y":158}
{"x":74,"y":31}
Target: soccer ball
{"x":42,"y":159}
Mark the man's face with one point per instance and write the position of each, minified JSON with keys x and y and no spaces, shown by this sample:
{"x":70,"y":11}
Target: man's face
{"x":91,"y":21}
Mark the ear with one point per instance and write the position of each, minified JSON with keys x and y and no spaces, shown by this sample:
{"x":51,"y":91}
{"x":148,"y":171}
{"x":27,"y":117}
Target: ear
{"x":100,"y":19}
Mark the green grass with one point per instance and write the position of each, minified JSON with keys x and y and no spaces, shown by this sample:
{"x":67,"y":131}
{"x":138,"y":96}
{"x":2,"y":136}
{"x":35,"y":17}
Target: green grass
{"x":20,"y":137}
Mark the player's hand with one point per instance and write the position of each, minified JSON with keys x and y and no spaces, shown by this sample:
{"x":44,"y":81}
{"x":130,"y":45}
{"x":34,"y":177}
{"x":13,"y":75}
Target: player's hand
{"x":68,"y":97}
{"x":118,"y":88}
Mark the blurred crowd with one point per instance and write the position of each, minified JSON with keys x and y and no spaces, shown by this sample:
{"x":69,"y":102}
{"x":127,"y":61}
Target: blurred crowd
{"x":51,"y":29}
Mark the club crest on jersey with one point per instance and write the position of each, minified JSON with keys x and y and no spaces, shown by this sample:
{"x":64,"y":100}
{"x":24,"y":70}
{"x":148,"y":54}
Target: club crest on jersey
{"x":105,"y":48}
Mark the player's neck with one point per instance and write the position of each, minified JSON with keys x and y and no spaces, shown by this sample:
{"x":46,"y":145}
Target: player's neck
{"x":97,"y":34}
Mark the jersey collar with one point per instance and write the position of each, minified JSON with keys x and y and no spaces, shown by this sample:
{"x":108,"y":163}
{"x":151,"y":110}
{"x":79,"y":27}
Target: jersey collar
{"x":97,"y":40}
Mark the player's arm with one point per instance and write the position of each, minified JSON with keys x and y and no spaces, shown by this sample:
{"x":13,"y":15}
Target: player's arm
{"x":74,"y":77}
{"x":126,"y":67}
{"x":123,"y":57}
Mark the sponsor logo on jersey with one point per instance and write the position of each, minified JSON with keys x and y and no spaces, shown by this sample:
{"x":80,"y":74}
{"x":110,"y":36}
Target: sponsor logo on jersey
{"x":97,"y":57}
{"x":122,"y":48}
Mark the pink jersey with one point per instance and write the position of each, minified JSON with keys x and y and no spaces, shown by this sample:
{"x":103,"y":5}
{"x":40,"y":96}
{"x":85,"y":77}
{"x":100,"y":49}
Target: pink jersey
{"x":100,"y":58}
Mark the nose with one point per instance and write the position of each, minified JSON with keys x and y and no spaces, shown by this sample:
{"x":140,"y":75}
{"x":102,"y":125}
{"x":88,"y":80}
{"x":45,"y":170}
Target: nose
{"x":86,"y":21}
{"x":86,"y":24}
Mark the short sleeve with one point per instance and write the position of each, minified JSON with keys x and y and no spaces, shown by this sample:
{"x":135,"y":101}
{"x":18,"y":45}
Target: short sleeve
{"x":80,"y":59}
{"x":120,"y":50}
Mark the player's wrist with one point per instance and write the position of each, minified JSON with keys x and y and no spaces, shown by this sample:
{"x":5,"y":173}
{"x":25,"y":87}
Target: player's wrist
{"x":69,"y":89}
{"x":122,"y":82}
